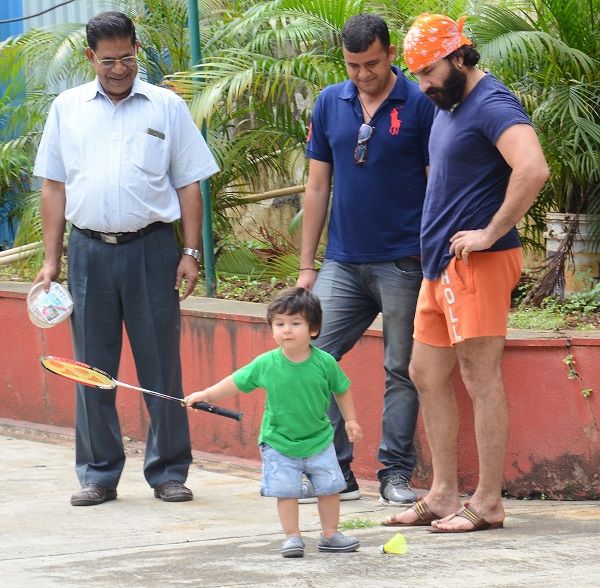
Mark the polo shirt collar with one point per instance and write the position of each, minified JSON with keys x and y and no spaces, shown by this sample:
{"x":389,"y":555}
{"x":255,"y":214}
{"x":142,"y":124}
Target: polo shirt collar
{"x":399,"y":91}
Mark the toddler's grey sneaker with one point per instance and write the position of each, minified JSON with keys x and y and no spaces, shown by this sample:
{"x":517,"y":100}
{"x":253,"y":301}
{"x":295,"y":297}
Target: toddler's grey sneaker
{"x":338,"y":543}
{"x":293,"y":547}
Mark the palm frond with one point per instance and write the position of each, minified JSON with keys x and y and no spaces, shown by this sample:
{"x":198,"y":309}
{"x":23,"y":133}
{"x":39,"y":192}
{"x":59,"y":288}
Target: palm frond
{"x":241,"y":262}
{"x":547,"y":52}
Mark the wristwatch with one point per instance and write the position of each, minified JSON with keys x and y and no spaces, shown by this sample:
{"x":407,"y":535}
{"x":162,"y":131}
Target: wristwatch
{"x":193,"y":252}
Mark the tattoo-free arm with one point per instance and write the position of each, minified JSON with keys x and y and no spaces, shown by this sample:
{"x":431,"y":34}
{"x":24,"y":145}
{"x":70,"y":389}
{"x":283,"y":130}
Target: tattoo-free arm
{"x":345,"y":403}
{"x":223,"y":389}
{"x":521,"y":150}
{"x":316,"y":201}
{"x":190,"y":202}
{"x":52,"y":209}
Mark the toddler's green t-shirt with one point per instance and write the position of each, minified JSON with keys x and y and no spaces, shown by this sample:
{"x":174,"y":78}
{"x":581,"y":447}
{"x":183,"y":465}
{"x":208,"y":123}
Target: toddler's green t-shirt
{"x":295,"y":420}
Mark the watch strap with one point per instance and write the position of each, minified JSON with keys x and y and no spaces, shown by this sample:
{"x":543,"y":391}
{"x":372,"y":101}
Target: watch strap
{"x":193,"y":252}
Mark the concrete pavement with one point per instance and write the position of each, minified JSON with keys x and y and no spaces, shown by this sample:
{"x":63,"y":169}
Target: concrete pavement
{"x":230,"y":536}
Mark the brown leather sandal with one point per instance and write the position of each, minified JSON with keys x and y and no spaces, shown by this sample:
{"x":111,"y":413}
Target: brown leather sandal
{"x":478,"y":522}
{"x":423,"y":512}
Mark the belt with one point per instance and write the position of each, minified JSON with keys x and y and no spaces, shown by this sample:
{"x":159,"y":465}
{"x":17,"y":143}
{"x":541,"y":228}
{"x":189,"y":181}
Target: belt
{"x":117,"y":238}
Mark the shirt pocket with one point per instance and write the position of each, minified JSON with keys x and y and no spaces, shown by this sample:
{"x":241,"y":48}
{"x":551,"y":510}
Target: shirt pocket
{"x":148,"y":153}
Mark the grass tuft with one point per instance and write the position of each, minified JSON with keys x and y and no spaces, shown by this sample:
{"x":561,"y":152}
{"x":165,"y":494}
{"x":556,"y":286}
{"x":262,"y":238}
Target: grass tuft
{"x":357,"y":524}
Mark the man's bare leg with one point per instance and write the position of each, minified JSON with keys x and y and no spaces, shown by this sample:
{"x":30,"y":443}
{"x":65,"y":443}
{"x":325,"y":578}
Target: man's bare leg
{"x":430,"y":370}
{"x":480,"y":366}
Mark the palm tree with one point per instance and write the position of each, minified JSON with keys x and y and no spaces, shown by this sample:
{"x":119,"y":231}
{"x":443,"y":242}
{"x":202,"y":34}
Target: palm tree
{"x":20,"y":127}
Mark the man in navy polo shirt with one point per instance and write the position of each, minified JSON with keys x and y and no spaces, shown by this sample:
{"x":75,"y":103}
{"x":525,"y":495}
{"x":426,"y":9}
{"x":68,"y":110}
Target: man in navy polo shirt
{"x":368,"y":137}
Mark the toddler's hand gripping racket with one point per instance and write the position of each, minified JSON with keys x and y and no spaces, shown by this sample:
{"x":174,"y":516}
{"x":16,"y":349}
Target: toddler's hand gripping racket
{"x":96,"y":378}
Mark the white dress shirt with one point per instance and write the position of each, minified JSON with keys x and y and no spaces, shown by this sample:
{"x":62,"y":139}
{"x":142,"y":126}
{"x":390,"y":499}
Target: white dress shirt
{"x":121,"y":164}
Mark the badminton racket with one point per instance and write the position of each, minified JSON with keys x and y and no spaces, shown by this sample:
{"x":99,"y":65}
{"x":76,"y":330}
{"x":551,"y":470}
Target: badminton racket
{"x":96,"y":378}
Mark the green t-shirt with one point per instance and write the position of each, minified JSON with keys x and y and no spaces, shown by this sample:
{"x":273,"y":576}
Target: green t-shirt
{"x":295,"y":420}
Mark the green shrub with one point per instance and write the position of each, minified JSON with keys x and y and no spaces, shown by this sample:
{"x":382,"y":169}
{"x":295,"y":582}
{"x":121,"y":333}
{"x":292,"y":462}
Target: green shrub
{"x":580,"y":311}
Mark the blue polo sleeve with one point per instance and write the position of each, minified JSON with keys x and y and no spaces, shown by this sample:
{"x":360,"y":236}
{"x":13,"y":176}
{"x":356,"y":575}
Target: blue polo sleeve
{"x":317,"y":144}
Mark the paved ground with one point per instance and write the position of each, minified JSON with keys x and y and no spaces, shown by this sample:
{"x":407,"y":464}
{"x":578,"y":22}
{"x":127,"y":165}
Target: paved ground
{"x":230,"y":536}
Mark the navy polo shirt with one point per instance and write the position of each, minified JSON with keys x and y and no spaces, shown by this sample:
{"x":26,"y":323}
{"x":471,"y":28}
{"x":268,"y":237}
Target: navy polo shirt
{"x":376,"y":207}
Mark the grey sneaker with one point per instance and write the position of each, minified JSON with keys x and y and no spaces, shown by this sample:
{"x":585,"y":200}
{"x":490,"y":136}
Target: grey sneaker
{"x":395,"y":490}
{"x":351,"y":492}
{"x":338,"y":543}
{"x":293,"y":547}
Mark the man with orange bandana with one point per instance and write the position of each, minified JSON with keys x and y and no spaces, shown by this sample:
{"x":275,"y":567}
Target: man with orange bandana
{"x":486,"y":169}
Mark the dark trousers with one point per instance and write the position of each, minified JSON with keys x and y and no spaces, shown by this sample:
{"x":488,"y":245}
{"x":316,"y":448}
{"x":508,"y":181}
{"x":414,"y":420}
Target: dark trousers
{"x":130,"y":284}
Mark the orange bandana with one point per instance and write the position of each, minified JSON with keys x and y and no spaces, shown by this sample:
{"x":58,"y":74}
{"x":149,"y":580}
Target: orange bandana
{"x":431,"y":38}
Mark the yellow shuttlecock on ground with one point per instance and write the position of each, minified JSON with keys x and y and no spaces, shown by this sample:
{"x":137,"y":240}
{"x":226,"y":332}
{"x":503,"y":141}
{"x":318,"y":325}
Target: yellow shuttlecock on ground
{"x":397,"y":544}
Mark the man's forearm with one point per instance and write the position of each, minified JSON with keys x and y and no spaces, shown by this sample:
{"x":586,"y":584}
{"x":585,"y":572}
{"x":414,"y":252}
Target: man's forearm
{"x":190,"y":202}
{"x":523,"y":188}
{"x":316,"y":201}
{"x":315,"y":212}
{"x":52,"y":209}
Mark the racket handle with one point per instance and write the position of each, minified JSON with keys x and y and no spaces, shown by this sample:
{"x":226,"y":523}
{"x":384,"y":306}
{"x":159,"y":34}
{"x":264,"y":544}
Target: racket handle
{"x":231,"y":414}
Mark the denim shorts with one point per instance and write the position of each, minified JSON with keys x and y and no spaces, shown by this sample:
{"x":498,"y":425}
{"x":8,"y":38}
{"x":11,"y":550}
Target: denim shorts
{"x":282,"y":475}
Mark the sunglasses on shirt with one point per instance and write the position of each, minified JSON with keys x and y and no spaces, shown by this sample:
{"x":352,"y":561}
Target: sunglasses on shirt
{"x":365,"y":132}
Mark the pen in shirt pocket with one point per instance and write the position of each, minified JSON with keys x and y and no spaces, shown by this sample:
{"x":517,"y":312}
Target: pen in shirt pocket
{"x":155,"y":133}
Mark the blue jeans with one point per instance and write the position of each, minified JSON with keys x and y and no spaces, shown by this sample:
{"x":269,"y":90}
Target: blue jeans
{"x":352,"y":295}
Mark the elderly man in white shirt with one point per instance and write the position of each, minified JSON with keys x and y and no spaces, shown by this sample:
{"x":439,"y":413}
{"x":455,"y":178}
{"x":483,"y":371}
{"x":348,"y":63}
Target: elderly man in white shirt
{"x":121,"y":160}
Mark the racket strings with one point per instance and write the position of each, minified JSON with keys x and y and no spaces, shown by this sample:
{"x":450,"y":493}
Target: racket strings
{"x":78,"y":371}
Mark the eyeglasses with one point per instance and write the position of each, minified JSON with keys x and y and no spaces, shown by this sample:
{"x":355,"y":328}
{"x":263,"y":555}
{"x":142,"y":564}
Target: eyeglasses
{"x":128,"y":61}
{"x":360,"y":151}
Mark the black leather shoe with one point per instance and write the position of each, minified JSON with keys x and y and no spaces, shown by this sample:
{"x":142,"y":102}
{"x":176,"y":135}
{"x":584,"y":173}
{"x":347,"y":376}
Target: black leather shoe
{"x":173,"y":491}
{"x":92,"y":494}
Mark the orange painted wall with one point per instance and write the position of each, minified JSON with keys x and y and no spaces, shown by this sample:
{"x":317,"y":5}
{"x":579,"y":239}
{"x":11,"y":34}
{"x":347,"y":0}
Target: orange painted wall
{"x":554,"y":445}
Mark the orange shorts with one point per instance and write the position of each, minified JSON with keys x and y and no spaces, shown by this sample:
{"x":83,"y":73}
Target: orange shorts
{"x":469,"y":299}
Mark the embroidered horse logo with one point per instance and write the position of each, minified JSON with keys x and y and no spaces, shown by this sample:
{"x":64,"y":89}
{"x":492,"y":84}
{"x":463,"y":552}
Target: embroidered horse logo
{"x":394,"y":122}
